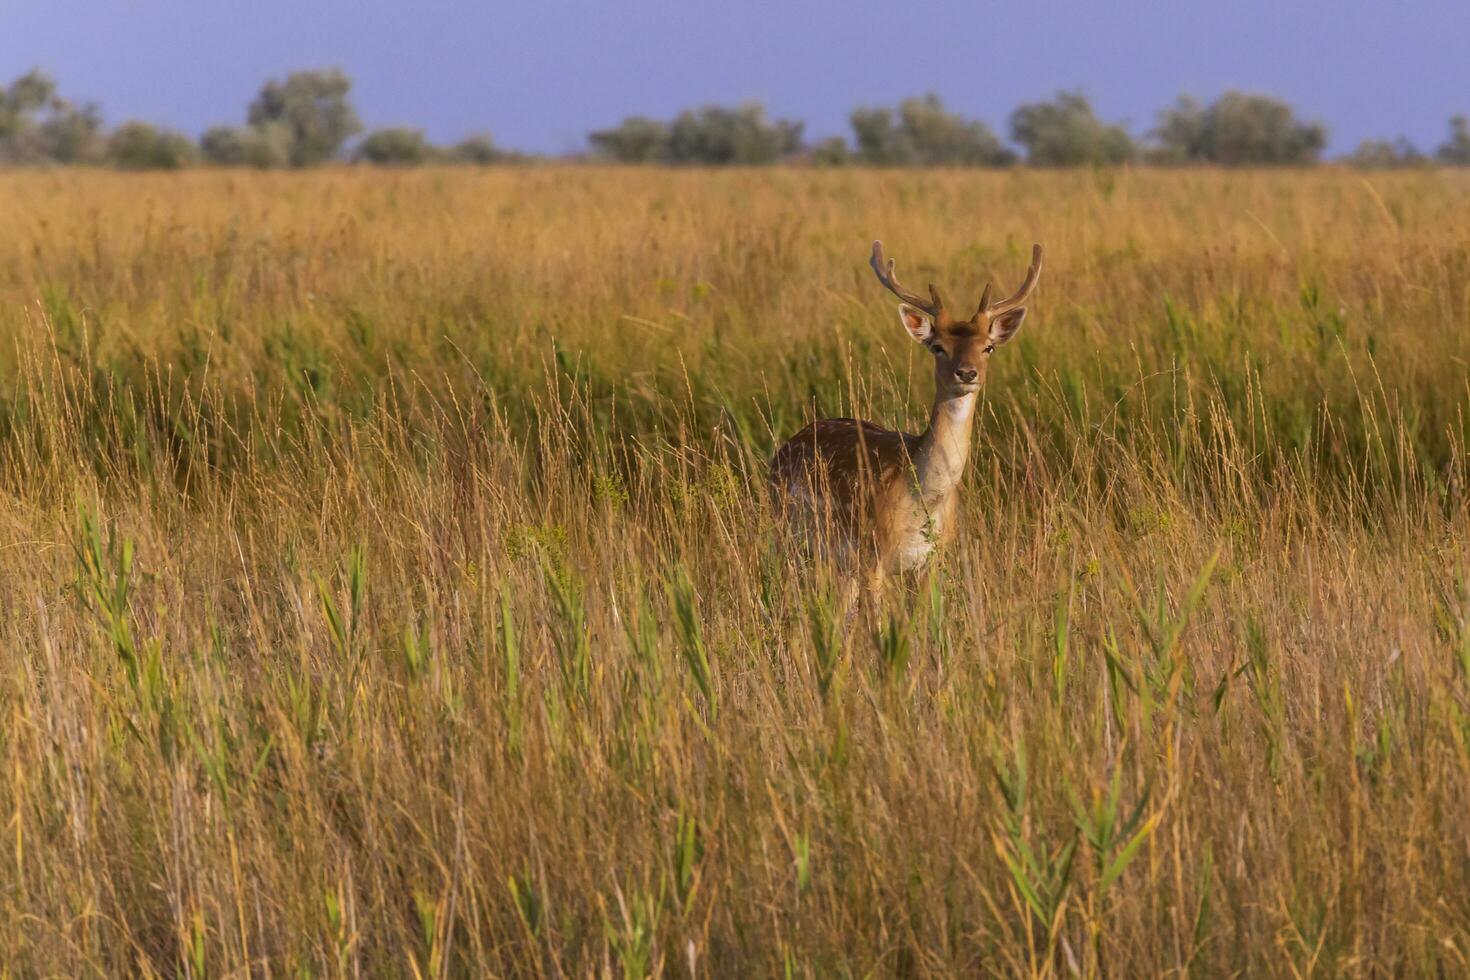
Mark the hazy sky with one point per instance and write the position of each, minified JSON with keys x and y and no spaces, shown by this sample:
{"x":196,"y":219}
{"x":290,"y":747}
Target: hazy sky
{"x":539,"y":74}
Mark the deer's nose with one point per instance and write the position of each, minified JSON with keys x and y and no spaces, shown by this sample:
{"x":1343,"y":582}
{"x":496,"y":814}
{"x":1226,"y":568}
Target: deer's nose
{"x":966,"y":375}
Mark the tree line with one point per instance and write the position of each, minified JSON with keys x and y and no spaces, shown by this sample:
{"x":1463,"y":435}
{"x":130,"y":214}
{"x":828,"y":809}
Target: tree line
{"x":308,"y":119}
{"x":304,"y":120}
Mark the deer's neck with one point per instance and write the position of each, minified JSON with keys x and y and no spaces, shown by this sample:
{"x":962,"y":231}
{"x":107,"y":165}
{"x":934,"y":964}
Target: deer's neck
{"x":945,"y":446}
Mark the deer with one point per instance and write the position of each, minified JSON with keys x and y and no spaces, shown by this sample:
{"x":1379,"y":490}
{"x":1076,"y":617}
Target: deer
{"x":879,"y":500}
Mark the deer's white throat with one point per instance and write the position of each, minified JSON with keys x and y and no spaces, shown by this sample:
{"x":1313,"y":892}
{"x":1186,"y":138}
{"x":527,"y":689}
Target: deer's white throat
{"x":959,"y":409}
{"x":945,"y":447}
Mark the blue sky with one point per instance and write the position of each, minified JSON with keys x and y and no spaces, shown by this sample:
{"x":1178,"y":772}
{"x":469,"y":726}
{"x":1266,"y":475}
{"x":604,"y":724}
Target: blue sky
{"x":539,"y":74}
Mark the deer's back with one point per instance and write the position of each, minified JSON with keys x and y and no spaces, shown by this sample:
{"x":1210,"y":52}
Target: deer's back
{"x":835,"y":470}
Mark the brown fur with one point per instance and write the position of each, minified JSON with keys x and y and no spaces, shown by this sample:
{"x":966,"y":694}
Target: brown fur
{"x":870,"y":496}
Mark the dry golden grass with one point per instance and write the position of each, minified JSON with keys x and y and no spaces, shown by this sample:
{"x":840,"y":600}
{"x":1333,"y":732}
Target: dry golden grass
{"x":389,"y":586}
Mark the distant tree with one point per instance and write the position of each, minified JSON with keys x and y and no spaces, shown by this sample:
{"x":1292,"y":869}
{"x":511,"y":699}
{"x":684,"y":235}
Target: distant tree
{"x":637,"y":139}
{"x":942,"y":138}
{"x":923,"y":132}
{"x":73,"y":134}
{"x":831,"y":152}
{"x":225,"y":146}
{"x":31,"y":92}
{"x":270,"y":145}
{"x":744,"y":135}
{"x":1237,"y":129}
{"x":1455,"y":151}
{"x":38,"y":126}
{"x":312,"y":107}
{"x":879,"y":139}
{"x":23,"y":99}
{"x":478,"y":149}
{"x":1066,"y":133}
{"x":266,"y":147}
{"x":394,"y":146}
{"x":1384,"y":155}
{"x":142,"y":146}
{"x":20,"y":103}
{"x":1180,"y":134}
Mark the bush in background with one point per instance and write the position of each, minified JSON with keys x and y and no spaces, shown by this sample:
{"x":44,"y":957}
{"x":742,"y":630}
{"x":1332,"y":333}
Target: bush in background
{"x":922,"y":132}
{"x":313,"y":111}
{"x":143,"y":146}
{"x":38,"y":126}
{"x":1066,"y":133}
{"x":1237,"y":129}
{"x":1385,"y":155}
{"x":637,"y":139}
{"x":479,"y":150}
{"x":394,"y":146}
{"x":744,"y":135}
{"x":711,"y":135}
{"x":1455,"y":151}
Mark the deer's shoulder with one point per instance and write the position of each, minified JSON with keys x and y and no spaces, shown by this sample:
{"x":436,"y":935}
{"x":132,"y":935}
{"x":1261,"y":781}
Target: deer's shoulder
{"x":842,"y":443}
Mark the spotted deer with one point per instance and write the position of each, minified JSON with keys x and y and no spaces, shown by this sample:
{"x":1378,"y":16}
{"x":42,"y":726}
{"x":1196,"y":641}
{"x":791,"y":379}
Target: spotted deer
{"x":881,"y":500}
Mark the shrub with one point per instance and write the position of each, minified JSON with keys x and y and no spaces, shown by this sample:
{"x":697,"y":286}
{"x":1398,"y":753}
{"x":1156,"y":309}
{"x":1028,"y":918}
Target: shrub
{"x":394,"y":146}
{"x":1066,"y":133}
{"x":479,"y":150}
{"x":224,"y":146}
{"x":744,"y":135}
{"x":831,"y":152}
{"x":1237,"y":129}
{"x":923,"y":132}
{"x":1455,"y":151}
{"x":1384,"y":154}
{"x":313,"y":110}
{"x":38,"y":126}
{"x":637,"y":139}
{"x":253,"y":146}
{"x":142,"y":146}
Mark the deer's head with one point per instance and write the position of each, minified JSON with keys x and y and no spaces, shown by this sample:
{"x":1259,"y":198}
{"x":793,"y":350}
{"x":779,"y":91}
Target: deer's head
{"x":961,"y":348}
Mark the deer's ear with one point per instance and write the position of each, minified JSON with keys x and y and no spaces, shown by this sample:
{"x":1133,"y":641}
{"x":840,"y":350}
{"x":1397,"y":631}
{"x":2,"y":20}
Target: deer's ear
{"x":1004,"y":327}
{"x":916,"y":322}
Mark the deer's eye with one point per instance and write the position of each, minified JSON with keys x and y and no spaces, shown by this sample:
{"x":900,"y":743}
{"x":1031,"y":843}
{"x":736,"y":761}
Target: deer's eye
{"x":936,"y":347}
{"x":989,"y":348}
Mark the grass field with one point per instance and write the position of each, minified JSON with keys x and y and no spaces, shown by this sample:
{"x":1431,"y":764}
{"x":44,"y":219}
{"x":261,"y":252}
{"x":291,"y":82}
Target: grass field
{"x":389,"y":585}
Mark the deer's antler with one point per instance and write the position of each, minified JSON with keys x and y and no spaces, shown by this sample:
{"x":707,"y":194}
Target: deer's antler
{"x":1032,"y":275}
{"x":933,"y":306}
